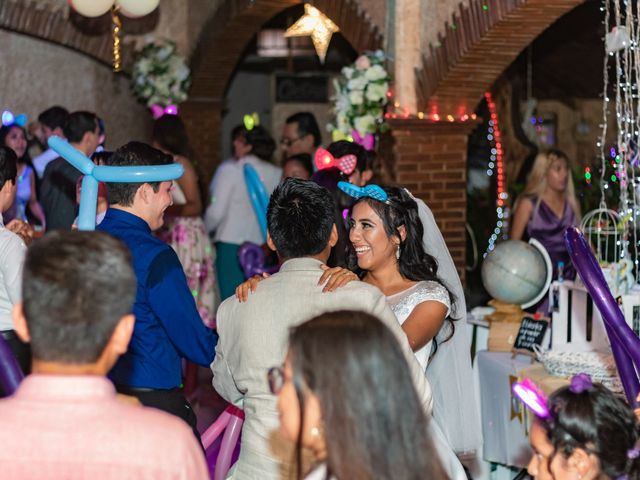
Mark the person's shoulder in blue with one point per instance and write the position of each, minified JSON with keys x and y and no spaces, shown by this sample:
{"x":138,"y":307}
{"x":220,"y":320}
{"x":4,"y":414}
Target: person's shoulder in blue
{"x":168,"y":326}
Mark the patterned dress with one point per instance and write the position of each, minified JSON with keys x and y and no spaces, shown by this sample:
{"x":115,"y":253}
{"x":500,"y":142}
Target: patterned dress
{"x":188,"y":237}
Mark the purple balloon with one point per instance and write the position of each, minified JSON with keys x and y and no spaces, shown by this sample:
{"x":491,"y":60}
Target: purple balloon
{"x":625,"y":345}
{"x":10,"y":373}
{"x":252,"y":260}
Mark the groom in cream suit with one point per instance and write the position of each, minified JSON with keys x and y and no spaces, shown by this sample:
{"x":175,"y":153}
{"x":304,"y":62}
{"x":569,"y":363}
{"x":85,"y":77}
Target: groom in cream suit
{"x":254,"y":334}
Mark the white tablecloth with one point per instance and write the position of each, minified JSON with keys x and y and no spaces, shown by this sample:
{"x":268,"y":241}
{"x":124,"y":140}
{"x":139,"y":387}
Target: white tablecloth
{"x":504,"y":421}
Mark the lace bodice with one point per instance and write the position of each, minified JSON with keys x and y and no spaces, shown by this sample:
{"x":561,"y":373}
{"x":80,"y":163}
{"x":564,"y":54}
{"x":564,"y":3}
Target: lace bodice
{"x":403,"y":303}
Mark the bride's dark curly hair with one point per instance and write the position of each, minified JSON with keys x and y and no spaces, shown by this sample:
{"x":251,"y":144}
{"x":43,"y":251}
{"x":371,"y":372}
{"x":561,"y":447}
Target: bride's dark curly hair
{"x":414,"y":263}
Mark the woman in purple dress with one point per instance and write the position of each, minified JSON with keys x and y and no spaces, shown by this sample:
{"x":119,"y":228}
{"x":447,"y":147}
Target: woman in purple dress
{"x":546,"y":208}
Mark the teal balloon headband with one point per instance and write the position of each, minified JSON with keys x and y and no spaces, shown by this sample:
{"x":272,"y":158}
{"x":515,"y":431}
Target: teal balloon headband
{"x":370,"y":191}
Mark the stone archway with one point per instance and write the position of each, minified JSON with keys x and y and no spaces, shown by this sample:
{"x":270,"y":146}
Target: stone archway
{"x":50,"y":22}
{"x":468,"y":60}
{"x":221,"y":47}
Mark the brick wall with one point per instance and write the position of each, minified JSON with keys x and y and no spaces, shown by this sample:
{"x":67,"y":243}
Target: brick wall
{"x":203,"y":119}
{"x":221,"y":47}
{"x":430,"y":159}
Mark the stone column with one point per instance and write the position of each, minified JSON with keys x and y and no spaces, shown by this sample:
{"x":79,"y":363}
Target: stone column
{"x":430,"y":159}
{"x":407,"y":52}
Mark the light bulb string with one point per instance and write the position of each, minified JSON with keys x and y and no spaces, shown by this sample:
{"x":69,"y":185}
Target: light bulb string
{"x":117,"y":26}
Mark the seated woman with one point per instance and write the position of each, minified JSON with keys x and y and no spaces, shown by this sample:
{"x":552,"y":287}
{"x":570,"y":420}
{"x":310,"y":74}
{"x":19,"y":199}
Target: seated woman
{"x":586,"y":433}
{"x":334,"y":362}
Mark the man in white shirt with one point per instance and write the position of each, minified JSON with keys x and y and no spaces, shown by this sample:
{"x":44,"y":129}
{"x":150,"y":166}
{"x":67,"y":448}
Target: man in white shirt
{"x":12,"y":251}
{"x":231,"y":216}
{"x":53,"y":120}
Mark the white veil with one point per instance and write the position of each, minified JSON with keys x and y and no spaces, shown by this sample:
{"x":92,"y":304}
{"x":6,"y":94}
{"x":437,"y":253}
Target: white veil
{"x":455,"y":406}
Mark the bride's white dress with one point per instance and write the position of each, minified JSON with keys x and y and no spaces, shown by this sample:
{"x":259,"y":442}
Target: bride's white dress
{"x":402,"y":305}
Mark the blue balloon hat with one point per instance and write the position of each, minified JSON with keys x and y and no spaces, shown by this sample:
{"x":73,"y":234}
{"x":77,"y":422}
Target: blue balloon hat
{"x":94,"y":174}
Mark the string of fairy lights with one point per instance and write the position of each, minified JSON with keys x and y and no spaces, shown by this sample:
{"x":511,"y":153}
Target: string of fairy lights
{"x":496,"y":167}
{"x":623,"y":54}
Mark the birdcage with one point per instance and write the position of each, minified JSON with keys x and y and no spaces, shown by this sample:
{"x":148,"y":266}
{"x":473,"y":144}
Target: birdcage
{"x":604,"y":230}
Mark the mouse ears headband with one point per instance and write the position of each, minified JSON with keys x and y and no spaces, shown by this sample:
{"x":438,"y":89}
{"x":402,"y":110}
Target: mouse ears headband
{"x":536,"y":401}
{"x":371,"y":191}
{"x":9,"y":119}
{"x":158,"y":110}
{"x":324,"y":159}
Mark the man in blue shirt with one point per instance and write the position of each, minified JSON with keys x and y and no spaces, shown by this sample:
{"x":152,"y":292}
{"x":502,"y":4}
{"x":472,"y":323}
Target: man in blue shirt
{"x":168,"y":326}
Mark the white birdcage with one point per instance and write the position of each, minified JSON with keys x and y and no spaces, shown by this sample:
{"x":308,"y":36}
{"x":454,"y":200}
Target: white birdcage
{"x":604,"y":230}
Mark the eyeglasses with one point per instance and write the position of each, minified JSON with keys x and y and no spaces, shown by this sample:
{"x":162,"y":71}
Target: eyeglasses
{"x":275,"y":377}
{"x":287,"y":142}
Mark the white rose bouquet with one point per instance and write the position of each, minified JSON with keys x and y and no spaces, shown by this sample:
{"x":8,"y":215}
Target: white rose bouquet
{"x":361,"y":97}
{"x":160,"y":75}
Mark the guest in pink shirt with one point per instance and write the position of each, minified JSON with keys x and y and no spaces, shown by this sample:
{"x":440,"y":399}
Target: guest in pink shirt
{"x":65,"y":420}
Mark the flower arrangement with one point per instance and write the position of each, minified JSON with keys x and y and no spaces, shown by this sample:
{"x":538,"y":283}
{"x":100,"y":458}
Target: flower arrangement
{"x":361,"y":96}
{"x":160,"y":75}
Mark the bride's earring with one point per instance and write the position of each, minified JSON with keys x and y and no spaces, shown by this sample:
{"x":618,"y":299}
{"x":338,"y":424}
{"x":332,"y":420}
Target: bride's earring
{"x":398,"y":253}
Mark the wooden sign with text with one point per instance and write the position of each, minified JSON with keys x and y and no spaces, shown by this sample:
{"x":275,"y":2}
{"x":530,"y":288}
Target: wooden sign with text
{"x":530,"y":334}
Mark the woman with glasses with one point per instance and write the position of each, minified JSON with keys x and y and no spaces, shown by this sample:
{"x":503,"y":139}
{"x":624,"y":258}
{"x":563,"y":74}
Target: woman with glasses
{"x":334,"y":400}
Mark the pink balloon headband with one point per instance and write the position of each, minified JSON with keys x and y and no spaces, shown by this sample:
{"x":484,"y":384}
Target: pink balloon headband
{"x":158,"y":110}
{"x":9,"y":119}
{"x":324,"y":159}
{"x":536,"y":401}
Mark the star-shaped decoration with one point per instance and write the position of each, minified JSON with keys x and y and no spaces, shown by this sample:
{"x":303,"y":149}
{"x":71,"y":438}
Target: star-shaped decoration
{"x":318,"y":26}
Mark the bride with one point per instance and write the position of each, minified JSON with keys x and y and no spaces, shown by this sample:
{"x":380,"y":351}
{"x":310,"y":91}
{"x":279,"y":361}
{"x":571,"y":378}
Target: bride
{"x":397,"y":246}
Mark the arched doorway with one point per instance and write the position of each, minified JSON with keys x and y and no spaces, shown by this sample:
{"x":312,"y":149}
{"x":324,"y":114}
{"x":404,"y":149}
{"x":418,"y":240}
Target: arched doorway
{"x":222,"y":46}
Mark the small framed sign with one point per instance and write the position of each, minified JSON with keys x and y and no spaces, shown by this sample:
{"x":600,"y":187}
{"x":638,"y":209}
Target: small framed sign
{"x":531,"y":333}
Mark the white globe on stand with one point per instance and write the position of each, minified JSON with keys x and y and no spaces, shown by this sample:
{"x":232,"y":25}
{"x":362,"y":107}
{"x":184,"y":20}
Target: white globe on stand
{"x":137,"y":8}
{"x":517,"y":272}
{"x":91,"y":8}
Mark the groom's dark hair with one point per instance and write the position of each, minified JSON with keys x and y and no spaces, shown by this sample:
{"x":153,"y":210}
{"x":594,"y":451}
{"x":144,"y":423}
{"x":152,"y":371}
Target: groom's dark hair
{"x":300,"y":217}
